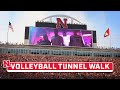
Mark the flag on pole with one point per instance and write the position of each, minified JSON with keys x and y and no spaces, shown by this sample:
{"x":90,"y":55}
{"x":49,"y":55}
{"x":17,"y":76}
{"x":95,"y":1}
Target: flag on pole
{"x":10,"y":26}
{"x":107,"y":33}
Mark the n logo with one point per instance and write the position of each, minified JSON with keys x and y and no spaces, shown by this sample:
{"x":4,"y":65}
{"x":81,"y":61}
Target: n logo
{"x":6,"y":63}
{"x":60,"y":23}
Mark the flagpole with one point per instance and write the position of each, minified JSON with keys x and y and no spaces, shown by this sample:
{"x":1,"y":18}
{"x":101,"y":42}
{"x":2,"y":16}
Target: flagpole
{"x":110,"y":37}
{"x":7,"y":35}
{"x":110,"y":40}
{"x":98,"y":42}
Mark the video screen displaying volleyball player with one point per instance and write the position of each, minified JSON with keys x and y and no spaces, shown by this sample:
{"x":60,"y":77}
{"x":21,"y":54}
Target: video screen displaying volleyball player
{"x":57,"y":39}
{"x":60,"y":37}
{"x":76,"y":39}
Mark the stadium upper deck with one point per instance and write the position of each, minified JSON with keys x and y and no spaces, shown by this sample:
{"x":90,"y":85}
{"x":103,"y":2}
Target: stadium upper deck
{"x":59,"y":50}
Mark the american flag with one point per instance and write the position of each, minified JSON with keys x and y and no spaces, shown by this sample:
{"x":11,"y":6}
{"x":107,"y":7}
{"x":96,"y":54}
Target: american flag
{"x":10,"y":26}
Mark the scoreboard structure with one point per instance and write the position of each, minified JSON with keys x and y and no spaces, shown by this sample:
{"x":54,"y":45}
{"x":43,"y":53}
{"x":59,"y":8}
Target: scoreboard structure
{"x":60,"y":33}
{"x":53,"y":25}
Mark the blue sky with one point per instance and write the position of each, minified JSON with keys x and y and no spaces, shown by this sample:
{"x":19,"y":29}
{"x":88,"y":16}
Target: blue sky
{"x":95,"y":20}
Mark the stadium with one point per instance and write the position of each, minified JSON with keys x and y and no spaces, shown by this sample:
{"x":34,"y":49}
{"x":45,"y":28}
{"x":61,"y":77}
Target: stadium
{"x":74,"y":42}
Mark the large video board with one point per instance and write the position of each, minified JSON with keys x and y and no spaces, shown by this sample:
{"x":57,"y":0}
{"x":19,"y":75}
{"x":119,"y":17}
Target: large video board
{"x":60,"y":37}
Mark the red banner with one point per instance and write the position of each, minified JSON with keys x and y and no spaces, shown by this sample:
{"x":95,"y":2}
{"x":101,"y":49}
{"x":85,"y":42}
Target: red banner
{"x":58,"y":66}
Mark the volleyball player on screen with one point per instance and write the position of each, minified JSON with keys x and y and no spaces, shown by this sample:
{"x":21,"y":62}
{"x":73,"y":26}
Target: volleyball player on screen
{"x":45,"y":40}
{"x":76,"y":40}
{"x":56,"y":39}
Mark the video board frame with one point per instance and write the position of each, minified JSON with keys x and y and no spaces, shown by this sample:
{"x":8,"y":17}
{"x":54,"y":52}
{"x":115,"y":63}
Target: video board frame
{"x":63,"y":28}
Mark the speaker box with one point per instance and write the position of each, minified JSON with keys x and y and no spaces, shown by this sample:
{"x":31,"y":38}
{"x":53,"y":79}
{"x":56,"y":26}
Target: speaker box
{"x":94,"y":37}
{"x":26,"y":32}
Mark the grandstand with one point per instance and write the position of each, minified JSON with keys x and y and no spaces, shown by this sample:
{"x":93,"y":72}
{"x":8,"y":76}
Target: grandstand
{"x":61,"y":75}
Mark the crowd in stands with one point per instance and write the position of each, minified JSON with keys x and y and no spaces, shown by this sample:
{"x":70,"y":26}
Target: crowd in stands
{"x":63,"y":75}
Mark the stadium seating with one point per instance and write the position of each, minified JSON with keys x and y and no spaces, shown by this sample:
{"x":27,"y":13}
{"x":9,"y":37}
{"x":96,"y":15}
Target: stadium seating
{"x":55,"y":58}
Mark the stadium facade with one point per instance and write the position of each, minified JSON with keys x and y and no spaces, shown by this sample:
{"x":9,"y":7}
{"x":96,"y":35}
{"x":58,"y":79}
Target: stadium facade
{"x":54,"y":50}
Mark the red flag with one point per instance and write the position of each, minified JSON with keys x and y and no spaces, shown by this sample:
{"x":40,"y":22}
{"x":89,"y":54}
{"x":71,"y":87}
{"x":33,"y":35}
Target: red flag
{"x":10,"y":26}
{"x":107,"y":33}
